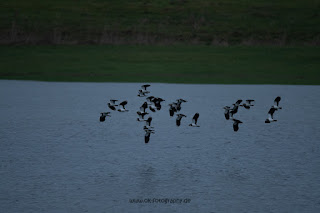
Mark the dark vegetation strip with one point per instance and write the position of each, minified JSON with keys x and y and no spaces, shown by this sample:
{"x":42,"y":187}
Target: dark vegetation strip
{"x":219,"y":22}
{"x":171,"y":64}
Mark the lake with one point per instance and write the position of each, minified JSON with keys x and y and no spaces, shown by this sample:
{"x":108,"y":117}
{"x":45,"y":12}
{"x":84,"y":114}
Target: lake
{"x":56,"y":156}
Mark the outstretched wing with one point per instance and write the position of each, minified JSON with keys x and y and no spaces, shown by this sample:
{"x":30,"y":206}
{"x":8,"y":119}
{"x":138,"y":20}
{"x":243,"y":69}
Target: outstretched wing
{"x":150,"y":98}
{"x":277,"y":100}
{"x":235,"y":127}
{"x":148,"y":122}
{"x":236,"y":120}
{"x":113,"y":101}
{"x":249,"y":101}
{"x":178,"y":121}
{"x":171,"y":112}
{"x":152,"y":108}
{"x":102,"y":118}
{"x":145,"y":86}
{"x":235,"y":108}
{"x":123,"y":103}
{"x":195,"y":118}
{"x":227,"y":115}
{"x":144,"y":106}
{"x":112,"y":106}
{"x":147,"y":137}
{"x":239,"y":101}
{"x":105,"y":113}
{"x":271,"y":111}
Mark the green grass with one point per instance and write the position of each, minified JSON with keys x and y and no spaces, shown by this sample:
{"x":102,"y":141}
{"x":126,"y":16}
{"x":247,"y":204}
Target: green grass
{"x":172,"y":64}
{"x":233,"y":21}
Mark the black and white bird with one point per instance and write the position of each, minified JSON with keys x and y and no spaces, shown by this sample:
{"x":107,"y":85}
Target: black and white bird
{"x":112,"y":104}
{"x":148,"y":122}
{"x":148,"y":127}
{"x":122,"y":106}
{"x":270,"y":115}
{"x":236,"y":124}
{"x":238,"y":102}
{"x":276,"y":103}
{"x":151,"y":103}
{"x":150,"y":99}
{"x":143,"y":107}
{"x":141,"y":93}
{"x":147,"y":135}
{"x":226,"y":112}
{"x":152,"y":107}
{"x":172,"y":109}
{"x":179,"y":102}
{"x":234,"y":110}
{"x":195,"y":120}
{"x":144,"y":88}
{"x":178,"y":119}
{"x":248,"y":104}
{"x":157,"y":102}
{"x":103,"y":116}
{"x":141,"y":116}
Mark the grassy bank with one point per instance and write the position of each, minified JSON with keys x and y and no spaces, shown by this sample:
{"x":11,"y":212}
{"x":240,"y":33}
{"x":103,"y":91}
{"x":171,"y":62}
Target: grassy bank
{"x":221,"y":22}
{"x":173,"y":64}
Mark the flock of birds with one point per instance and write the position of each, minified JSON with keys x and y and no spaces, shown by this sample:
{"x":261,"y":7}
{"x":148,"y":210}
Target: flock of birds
{"x":154,"y":104}
{"x":229,"y":112}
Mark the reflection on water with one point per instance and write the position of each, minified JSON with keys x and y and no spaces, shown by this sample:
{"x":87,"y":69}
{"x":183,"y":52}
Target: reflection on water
{"x":56,"y":156}
{"x":147,"y":179}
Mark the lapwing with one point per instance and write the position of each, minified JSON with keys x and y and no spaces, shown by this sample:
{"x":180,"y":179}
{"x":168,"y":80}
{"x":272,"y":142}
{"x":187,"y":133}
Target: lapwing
{"x":141,"y":93}
{"x":179,"y":102}
{"x":150,"y":99}
{"x":270,"y":115}
{"x":143,"y":107}
{"x":234,"y":110}
{"x":112,"y":105}
{"x":147,"y":135}
{"x":276,"y":103}
{"x":152,"y":107}
{"x":236,"y":124}
{"x":148,"y":122}
{"x":103,"y":116}
{"x":195,"y":120}
{"x":227,"y":112}
{"x":141,"y":116}
{"x":172,"y":109}
{"x":247,"y":104}
{"x":178,"y":119}
{"x":144,"y":88}
{"x":122,"y":108}
{"x":157,"y":102}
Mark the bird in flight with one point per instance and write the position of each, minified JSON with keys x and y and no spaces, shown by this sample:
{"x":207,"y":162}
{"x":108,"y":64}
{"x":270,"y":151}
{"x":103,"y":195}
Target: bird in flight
{"x":195,"y":120}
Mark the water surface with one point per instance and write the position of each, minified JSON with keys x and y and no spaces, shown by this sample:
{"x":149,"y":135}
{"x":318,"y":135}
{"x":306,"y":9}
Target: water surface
{"x":56,"y":156}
